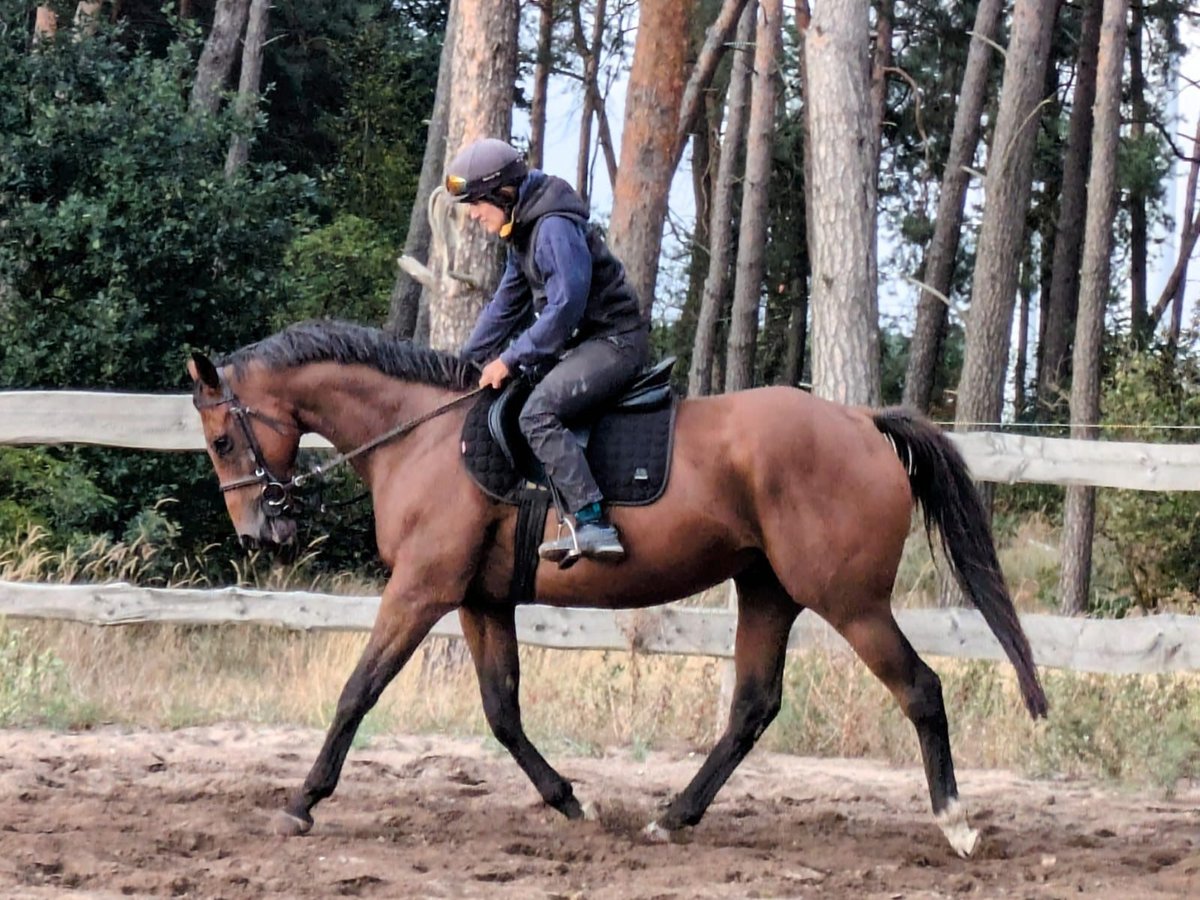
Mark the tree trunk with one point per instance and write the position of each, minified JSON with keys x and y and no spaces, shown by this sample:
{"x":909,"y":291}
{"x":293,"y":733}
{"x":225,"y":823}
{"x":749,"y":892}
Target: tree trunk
{"x":45,"y":24}
{"x":589,"y":52}
{"x":998,"y":254}
{"x":87,"y":16}
{"x":1080,"y":508}
{"x":247,"y":98}
{"x":880,"y":62}
{"x":216,"y":59}
{"x":1189,"y":229}
{"x":409,"y":296}
{"x":938,"y":270}
{"x":1007,"y":188}
{"x":1138,"y":227}
{"x":707,"y":60}
{"x":1060,"y":305}
{"x":700,"y":375}
{"x":752,"y":234}
{"x":482,"y":88}
{"x":705,"y":159}
{"x":652,"y":105}
{"x":797,"y":334}
{"x":842,"y":203}
{"x":1021,"y":360}
{"x":541,"y":81}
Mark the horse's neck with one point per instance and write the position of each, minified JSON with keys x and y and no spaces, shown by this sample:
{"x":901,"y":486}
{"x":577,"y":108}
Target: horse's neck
{"x":350,"y":405}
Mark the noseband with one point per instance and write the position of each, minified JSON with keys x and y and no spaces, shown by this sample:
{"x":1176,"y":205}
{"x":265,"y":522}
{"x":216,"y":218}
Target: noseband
{"x":277,"y":496}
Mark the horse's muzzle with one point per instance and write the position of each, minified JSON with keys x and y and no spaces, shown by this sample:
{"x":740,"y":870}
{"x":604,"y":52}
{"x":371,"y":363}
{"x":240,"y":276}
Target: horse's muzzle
{"x":276,"y":535}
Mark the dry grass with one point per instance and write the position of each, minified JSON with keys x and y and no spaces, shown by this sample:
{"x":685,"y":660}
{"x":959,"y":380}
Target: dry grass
{"x":1136,"y":729}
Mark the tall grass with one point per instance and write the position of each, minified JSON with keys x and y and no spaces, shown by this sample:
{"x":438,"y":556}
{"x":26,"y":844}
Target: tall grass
{"x":1131,"y":729}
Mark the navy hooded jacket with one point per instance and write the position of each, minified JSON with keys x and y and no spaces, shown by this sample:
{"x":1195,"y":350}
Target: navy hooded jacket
{"x":561,"y":284}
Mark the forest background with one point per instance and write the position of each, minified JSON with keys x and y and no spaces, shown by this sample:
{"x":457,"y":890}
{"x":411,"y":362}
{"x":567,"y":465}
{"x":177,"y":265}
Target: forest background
{"x":199,"y":174}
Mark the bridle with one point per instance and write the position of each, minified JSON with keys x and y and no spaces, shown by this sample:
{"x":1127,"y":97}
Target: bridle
{"x":277,"y":494}
{"x":277,"y":497}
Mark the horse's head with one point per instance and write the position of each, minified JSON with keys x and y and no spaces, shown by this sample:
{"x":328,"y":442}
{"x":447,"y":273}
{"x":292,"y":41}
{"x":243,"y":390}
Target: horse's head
{"x":253,"y":449}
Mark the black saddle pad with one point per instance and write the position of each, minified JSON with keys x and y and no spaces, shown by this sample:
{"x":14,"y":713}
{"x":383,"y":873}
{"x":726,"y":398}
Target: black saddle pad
{"x":629,"y":452}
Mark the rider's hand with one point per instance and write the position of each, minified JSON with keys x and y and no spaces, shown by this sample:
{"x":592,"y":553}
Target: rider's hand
{"x":494,"y":374}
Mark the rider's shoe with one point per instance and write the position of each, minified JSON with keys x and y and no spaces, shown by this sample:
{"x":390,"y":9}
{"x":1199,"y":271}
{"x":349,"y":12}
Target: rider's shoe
{"x":595,"y":540}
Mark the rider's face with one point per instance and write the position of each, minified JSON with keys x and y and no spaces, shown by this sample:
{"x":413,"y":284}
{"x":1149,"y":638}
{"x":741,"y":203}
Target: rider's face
{"x":490,"y":216}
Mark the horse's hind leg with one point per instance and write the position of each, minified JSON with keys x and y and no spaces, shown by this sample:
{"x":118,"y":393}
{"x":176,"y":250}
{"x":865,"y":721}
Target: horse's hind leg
{"x":492,"y":636}
{"x":878,"y":640}
{"x":765,"y":617}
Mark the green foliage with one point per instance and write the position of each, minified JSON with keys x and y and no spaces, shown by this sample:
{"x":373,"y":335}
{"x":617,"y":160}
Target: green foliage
{"x":33,"y":683}
{"x":124,"y":240}
{"x":351,"y":86}
{"x":38,"y":488}
{"x":1157,"y":534}
{"x":390,"y":71}
{"x":344,"y":270}
{"x":122,"y":243}
{"x":1102,"y":727}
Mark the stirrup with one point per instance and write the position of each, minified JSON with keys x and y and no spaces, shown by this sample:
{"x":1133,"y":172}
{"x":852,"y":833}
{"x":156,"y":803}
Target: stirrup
{"x":560,"y":548}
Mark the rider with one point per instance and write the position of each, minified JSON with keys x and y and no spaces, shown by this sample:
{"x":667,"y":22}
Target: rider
{"x":576,"y":322}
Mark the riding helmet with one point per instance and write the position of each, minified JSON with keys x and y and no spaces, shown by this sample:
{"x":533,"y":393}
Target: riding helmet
{"x":483,"y":169}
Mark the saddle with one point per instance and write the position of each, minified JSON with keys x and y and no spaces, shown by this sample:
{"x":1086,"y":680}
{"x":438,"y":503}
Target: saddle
{"x":627,"y":444}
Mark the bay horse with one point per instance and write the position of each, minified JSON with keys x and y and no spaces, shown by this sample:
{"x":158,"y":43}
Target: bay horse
{"x":804,"y":503}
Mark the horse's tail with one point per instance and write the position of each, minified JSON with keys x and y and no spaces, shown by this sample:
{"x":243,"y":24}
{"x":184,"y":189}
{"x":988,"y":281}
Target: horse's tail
{"x":948,"y":497}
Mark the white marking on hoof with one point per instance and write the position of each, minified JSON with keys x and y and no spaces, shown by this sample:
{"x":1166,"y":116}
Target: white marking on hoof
{"x":590,"y":812}
{"x":287,"y":825}
{"x":953,"y":822}
{"x":656,"y":833}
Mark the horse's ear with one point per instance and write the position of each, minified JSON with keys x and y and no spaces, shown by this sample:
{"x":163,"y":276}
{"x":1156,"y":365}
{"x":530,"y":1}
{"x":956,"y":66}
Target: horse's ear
{"x":201,"y":368}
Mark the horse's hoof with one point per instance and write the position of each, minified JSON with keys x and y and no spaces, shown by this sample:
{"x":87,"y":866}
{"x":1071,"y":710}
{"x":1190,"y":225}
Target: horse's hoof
{"x":953,"y":822}
{"x":288,"y":825}
{"x":656,"y":834}
{"x":590,"y":812}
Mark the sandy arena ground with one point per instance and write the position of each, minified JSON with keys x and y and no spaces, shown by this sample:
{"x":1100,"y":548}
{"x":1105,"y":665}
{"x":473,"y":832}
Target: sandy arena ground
{"x":113,"y":813}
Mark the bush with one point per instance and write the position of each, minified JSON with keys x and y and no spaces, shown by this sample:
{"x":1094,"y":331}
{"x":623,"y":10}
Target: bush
{"x":122,"y":240}
{"x":344,"y":270}
{"x":122,"y":245}
{"x":1157,"y":534}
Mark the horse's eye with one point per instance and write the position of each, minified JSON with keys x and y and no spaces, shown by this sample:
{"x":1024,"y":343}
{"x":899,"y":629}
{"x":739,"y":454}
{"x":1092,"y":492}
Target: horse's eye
{"x":223,"y":445}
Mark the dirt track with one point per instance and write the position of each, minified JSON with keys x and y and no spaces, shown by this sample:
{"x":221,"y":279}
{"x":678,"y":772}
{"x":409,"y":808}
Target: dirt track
{"x":186,"y":813}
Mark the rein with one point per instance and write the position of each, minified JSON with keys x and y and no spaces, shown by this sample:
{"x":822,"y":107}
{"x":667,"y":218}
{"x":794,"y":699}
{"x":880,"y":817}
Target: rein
{"x":276,"y":494}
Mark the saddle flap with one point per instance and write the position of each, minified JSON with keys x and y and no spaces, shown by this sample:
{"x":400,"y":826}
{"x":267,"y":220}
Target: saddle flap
{"x":628,"y":447}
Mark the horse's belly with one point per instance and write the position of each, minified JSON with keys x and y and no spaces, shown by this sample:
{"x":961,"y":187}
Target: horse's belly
{"x":636,"y":582}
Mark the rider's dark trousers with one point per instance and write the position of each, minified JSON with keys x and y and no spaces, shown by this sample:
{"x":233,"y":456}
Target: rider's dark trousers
{"x":588,"y":375}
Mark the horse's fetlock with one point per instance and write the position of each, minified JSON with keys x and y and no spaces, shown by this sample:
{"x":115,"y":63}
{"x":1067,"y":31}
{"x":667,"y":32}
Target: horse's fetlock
{"x":560,"y":795}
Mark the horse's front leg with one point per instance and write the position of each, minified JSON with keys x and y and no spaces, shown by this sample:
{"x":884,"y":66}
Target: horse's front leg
{"x":491,"y":634}
{"x":406,"y":614}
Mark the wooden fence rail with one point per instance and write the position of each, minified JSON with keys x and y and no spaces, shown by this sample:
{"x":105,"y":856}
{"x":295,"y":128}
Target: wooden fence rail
{"x":1150,"y":644}
{"x":168,"y":422}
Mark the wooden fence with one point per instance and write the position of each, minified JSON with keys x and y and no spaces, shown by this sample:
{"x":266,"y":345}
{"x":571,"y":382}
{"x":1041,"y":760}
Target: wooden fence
{"x":1163,"y":643}
{"x":168,"y":422}
{"x":1149,"y":644}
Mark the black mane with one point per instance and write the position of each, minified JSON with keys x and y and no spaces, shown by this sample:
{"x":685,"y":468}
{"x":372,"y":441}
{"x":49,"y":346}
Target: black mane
{"x":330,"y":340}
